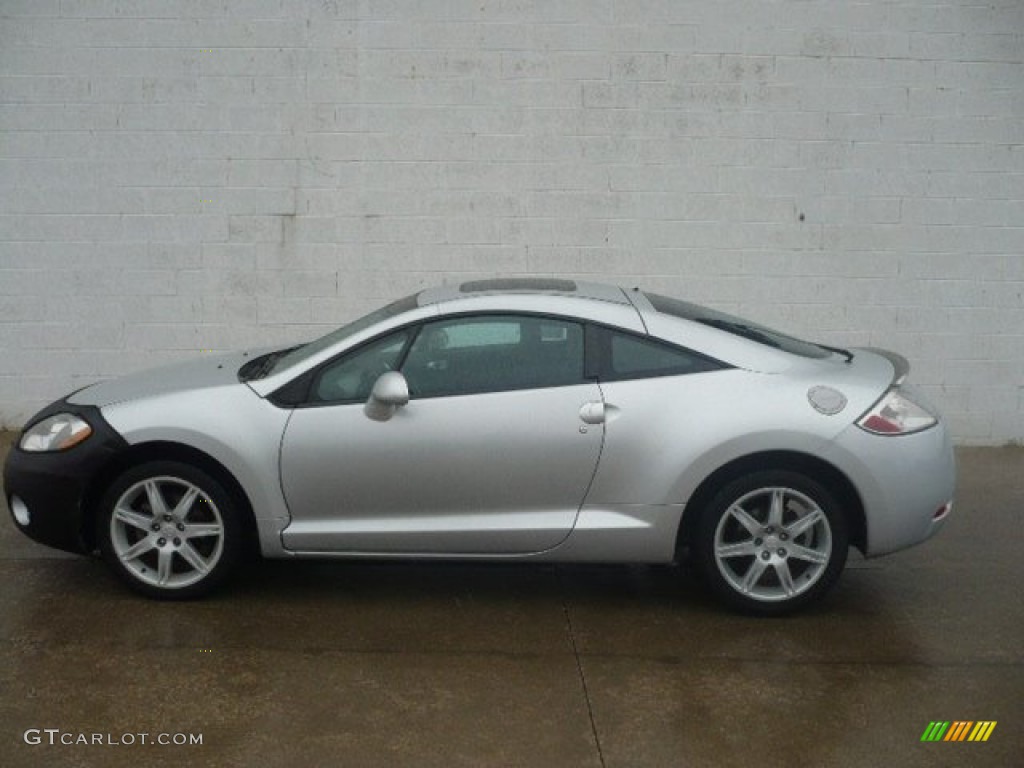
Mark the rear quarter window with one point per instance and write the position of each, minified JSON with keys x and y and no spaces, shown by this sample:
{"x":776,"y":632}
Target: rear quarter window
{"x":621,"y":355}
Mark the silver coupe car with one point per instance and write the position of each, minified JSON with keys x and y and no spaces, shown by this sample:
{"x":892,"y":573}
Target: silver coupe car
{"x":515,"y":419}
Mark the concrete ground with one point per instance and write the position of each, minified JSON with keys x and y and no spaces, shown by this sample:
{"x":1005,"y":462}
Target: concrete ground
{"x":354,"y":664}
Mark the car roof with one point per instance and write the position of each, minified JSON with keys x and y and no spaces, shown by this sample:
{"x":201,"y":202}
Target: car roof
{"x":608,"y":304}
{"x":615,"y":306}
{"x":528,"y":286}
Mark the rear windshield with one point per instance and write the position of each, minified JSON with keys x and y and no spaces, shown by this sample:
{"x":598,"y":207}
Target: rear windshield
{"x":736,"y":325}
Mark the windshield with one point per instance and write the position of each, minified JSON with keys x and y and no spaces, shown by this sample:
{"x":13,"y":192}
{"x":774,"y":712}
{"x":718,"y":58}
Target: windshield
{"x":306,"y":351}
{"x":739,"y":327}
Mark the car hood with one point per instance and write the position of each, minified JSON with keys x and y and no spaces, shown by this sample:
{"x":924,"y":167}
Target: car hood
{"x":208,"y":371}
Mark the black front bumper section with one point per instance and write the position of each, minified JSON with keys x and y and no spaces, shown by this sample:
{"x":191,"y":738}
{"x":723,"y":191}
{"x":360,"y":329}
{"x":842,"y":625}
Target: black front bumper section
{"x":53,"y":486}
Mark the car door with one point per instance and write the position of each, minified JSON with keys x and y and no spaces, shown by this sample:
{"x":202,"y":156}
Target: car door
{"x":490,"y":456}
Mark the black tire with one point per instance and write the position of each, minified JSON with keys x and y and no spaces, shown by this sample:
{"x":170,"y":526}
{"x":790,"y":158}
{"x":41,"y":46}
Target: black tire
{"x":167,"y":546}
{"x":760,"y":567}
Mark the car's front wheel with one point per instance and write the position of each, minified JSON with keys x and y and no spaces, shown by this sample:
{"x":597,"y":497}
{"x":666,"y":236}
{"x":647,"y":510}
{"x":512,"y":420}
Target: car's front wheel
{"x":169,"y":530}
{"x":771,"y":542}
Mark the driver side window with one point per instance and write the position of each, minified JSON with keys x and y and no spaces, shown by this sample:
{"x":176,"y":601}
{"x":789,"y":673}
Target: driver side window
{"x":351,"y":378}
{"x":494,"y":353}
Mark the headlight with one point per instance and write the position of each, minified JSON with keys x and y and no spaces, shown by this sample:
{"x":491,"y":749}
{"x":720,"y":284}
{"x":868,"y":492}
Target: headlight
{"x":56,"y":433}
{"x":896,"y":414}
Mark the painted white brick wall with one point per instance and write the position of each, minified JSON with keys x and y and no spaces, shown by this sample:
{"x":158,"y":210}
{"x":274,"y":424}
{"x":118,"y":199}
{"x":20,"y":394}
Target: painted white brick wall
{"x":182,"y":175}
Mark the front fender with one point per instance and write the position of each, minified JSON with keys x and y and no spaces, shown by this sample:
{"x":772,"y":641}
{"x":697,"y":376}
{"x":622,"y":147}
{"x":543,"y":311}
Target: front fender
{"x":232,"y":425}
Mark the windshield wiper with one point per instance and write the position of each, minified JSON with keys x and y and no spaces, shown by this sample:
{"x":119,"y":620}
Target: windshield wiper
{"x":745,"y":331}
{"x":260,"y":366}
{"x":839,"y":351}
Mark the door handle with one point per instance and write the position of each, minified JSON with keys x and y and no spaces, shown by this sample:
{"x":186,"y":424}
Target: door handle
{"x":592,"y":412}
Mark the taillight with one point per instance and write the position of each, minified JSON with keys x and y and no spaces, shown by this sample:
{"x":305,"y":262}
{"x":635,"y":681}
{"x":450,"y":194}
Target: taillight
{"x":896,"y":414}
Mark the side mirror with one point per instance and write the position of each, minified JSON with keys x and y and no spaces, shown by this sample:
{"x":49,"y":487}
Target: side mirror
{"x":390,"y":392}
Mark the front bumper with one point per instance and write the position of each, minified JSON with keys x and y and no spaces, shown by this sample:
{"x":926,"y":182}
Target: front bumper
{"x":47,"y":491}
{"x":906,"y":483}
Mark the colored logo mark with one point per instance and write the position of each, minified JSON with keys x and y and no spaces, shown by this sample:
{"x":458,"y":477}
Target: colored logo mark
{"x":958,"y":730}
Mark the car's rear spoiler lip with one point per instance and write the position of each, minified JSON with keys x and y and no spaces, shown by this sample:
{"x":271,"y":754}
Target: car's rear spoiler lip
{"x":900,"y":364}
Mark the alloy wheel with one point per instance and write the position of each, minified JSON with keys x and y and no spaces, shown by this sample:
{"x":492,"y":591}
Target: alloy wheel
{"x":167,"y":532}
{"x":773,"y":544}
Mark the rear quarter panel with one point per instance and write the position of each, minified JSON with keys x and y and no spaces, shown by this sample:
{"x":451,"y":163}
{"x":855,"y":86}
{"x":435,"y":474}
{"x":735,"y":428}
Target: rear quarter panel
{"x":665,"y":436}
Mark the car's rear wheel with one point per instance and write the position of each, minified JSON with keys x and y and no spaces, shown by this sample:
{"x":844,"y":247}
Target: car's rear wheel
{"x":771,"y":542}
{"x":169,"y":530}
